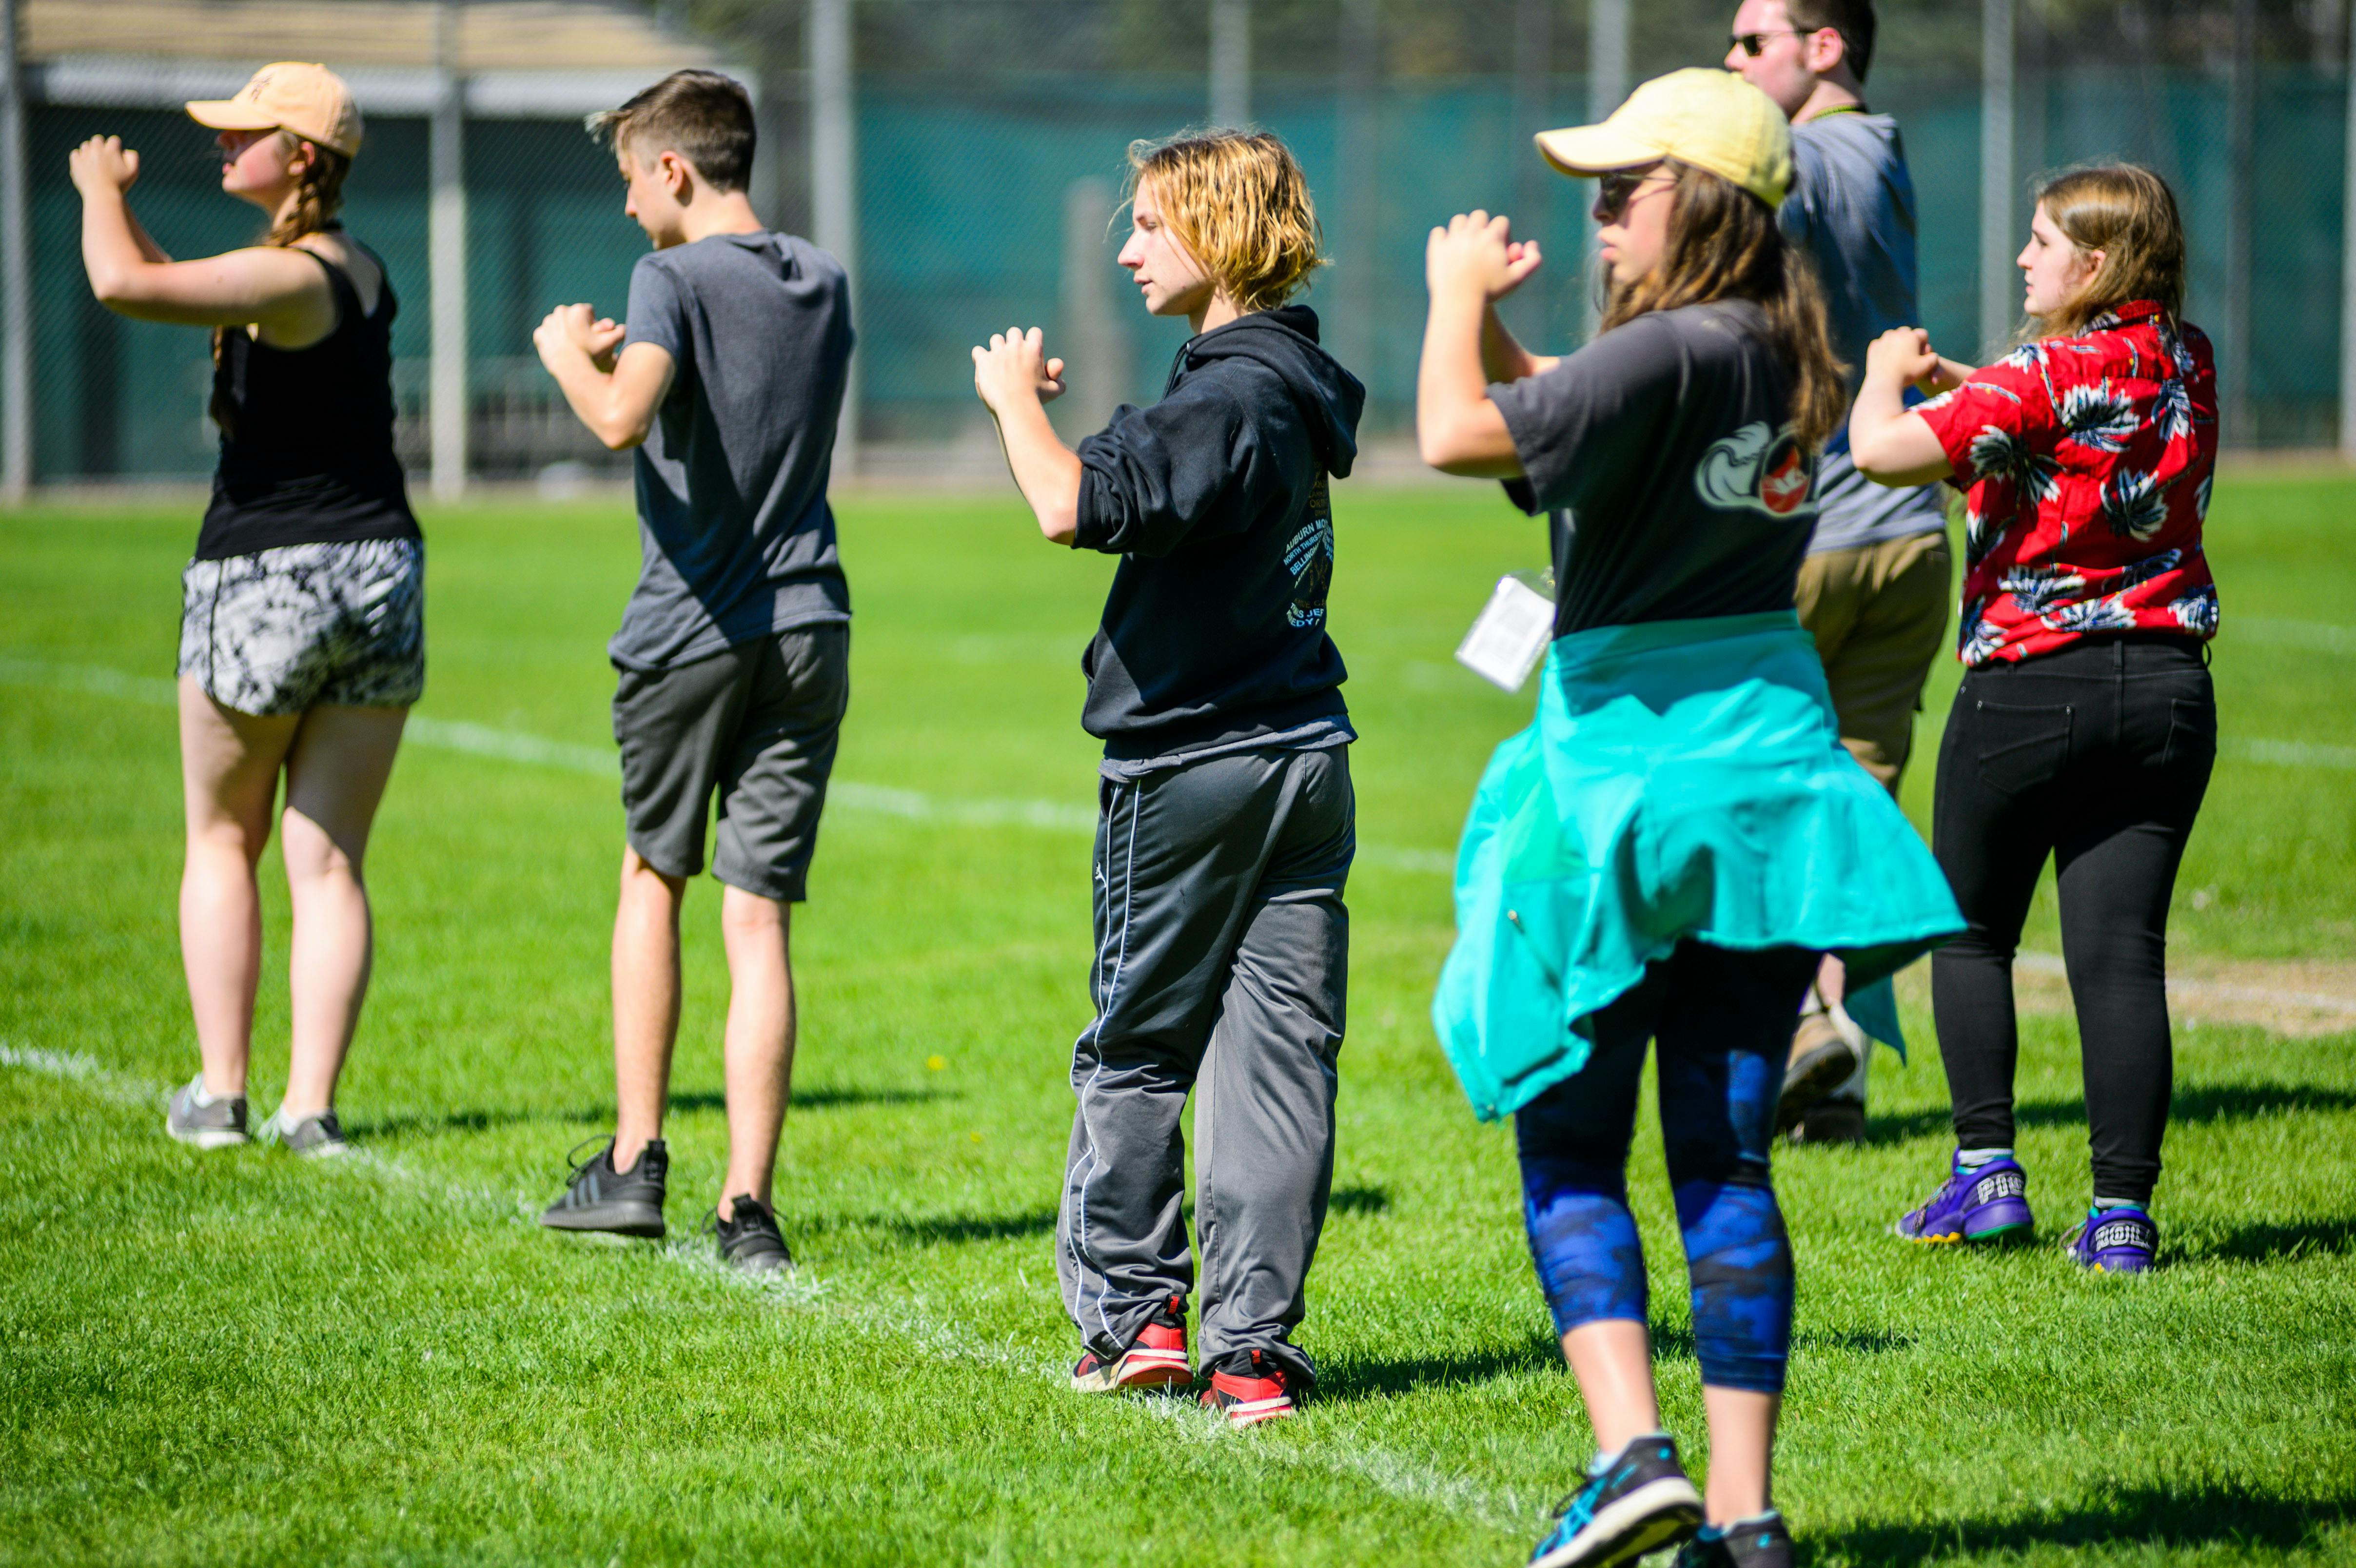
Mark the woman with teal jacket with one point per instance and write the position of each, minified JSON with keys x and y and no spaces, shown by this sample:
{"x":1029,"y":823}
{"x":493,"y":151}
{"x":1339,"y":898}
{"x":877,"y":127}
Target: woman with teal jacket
{"x":1666,"y":852}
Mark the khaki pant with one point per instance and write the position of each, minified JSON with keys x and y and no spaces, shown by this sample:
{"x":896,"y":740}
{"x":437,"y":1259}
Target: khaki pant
{"x":1879,"y":613}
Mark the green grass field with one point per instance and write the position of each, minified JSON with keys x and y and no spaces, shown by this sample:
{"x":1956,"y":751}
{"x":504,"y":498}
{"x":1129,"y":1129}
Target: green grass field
{"x":236,"y":1358}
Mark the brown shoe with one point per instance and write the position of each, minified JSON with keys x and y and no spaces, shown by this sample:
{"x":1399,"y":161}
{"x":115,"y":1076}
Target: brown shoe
{"x":1832,"y":1122}
{"x":1822,"y":1059}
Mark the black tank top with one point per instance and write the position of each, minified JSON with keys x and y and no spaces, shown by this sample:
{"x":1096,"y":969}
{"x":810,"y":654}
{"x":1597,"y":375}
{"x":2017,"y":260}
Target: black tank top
{"x":306,"y":435}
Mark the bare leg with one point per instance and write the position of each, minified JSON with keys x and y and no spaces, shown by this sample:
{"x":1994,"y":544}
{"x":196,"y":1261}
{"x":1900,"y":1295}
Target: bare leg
{"x":228,"y":775}
{"x":1742,"y":1452}
{"x":646,"y":1002}
{"x":1613,"y":1360}
{"x":1832,"y":979}
{"x":336,"y":775}
{"x":760,"y":1049}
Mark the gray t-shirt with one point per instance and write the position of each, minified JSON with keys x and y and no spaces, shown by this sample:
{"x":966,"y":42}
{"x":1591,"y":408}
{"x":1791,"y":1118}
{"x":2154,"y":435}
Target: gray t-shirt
{"x":1851,"y":208}
{"x":1665,"y":450}
{"x":736,"y":537}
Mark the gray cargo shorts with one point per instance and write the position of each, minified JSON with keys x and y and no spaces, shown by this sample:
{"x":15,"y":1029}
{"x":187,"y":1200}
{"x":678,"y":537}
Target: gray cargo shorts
{"x":756,"y":725}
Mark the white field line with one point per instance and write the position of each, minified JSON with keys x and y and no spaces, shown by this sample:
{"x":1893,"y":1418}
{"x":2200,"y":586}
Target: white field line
{"x":2209,"y":990}
{"x":600,"y":762}
{"x":905,"y":1323}
{"x":2317,"y":636}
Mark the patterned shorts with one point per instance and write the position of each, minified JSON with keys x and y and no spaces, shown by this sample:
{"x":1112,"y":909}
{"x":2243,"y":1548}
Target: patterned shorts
{"x":282,"y":630}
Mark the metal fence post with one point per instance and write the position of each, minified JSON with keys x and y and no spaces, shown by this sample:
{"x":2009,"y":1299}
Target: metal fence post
{"x":1998,"y":292}
{"x":1533,"y":108}
{"x":834,"y":183}
{"x":2241,"y":201}
{"x":2348,"y":264}
{"x":1607,"y":84}
{"x":15,"y":274}
{"x":1230,"y":62}
{"x":1356,"y":127}
{"x":446,"y":411}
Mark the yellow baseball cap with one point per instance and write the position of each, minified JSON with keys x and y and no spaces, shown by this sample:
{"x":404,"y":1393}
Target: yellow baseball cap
{"x":309,"y":100}
{"x":1710,"y":119}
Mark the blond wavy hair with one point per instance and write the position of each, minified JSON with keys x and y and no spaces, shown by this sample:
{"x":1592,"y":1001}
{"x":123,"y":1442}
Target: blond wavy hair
{"x":1240,"y":206}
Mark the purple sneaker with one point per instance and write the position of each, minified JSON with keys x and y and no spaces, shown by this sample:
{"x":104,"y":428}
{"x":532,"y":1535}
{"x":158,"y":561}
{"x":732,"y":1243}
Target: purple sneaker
{"x":2119,"y":1240}
{"x":1987,"y":1203}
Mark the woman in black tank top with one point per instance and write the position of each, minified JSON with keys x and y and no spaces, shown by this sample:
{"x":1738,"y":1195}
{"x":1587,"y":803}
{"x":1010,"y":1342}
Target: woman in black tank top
{"x":302,"y":634}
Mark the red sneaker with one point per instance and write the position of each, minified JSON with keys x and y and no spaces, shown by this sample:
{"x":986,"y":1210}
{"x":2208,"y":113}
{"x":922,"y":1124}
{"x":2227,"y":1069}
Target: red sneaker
{"x":1248,"y":1391}
{"x":1156,"y":1359}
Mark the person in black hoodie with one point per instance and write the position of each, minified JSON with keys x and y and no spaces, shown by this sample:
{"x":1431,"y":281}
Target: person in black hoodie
{"x":1226,"y":822}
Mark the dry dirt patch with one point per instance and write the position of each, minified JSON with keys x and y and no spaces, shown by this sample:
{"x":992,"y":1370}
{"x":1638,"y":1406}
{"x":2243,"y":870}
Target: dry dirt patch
{"x":2299,"y":998}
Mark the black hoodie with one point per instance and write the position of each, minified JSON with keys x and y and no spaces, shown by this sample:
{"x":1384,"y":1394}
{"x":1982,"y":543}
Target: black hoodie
{"x":1215,"y":500}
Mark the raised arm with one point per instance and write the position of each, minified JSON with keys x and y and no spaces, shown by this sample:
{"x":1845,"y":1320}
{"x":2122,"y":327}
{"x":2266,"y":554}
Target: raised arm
{"x":1015,"y":377}
{"x":1890,"y":444}
{"x":285,"y":295}
{"x":614,"y":397}
{"x":1470,"y":265}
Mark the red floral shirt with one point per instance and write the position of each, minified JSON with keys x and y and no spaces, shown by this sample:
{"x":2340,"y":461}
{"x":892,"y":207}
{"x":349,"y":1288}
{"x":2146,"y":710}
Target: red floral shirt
{"x":2085,"y":464}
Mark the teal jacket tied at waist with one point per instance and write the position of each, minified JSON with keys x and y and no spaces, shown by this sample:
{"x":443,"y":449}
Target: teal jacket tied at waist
{"x":1683,"y":779}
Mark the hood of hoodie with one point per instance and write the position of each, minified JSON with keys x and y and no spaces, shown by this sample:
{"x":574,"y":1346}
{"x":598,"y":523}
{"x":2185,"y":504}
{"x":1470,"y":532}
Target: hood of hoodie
{"x":1285,"y":340}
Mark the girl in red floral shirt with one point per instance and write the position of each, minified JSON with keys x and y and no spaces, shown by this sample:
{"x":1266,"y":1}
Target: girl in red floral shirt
{"x":2086,"y":725}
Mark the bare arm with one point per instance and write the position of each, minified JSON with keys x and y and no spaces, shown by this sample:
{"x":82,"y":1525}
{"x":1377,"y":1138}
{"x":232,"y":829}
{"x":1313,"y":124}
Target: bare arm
{"x":1890,"y":442}
{"x":614,"y":397}
{"x":285,"y":294}
{"x":1469,"y":265}
{"x":1015,"y":377}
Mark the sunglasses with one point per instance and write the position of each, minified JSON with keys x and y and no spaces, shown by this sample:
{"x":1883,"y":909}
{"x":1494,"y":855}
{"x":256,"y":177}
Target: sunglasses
{"x":1615,"y":190}
{"x":1755,"y":44}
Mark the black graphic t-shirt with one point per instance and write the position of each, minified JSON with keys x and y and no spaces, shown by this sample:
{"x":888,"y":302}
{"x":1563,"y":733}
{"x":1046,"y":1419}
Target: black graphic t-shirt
{"x":1217,"y":501}
{"x":1663,"y":451}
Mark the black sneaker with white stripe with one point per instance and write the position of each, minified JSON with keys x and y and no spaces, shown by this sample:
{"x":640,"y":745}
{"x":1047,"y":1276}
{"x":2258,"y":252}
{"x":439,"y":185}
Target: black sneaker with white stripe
{"x":1635,"y":1501}
{"x":205,"y":1121}
{"x":749,"y":1239}
{"x":618,"y":1203}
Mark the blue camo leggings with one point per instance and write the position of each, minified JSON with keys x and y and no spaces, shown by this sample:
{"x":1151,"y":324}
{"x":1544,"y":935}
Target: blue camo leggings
{"x":1723,"y":1020}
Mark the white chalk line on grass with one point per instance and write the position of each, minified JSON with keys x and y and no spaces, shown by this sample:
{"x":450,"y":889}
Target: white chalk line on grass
{"x":600,"y":762}
{"x":904,"y":1323}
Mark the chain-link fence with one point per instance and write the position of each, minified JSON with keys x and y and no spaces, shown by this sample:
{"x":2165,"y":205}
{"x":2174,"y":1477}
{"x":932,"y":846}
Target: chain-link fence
{"x":986,"y":198}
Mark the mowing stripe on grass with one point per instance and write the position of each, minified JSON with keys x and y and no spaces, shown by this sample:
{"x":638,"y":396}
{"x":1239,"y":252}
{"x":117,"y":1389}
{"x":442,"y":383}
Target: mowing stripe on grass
{"x":2321,"y":636}
{"x":601,"y":762}
{"x":901,"y":1324}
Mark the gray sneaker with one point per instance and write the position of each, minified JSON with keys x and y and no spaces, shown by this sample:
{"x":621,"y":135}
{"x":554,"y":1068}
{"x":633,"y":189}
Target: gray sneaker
{"x":205,"y":1121}
{"x":319,"y":1137}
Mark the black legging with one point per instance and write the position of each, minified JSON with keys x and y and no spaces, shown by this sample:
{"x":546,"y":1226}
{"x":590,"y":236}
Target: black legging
{"x":2098,"y":754}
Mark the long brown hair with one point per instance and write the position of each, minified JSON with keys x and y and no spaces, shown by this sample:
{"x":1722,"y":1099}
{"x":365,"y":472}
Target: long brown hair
{"x":1723,"y":245}
{"x":319,"y":196}
{"x":2128,"y":213}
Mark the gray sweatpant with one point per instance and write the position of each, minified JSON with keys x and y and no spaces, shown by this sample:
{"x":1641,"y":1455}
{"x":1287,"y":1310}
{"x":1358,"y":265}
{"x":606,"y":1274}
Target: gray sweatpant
{"x":1223,"y":960}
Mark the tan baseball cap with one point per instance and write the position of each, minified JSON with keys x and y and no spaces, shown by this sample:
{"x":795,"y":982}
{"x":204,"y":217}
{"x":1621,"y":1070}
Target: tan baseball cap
{"x":1710,"y":119}
{"x":309,"y":100}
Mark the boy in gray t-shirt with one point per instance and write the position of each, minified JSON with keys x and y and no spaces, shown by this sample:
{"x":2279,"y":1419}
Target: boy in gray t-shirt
{"x":734,"y":652}
{"x":1875,"y":587}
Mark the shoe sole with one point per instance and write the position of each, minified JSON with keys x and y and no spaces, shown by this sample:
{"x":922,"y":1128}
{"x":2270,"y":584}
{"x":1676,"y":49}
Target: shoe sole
{"x":635,"y":1220}
{"x":1251,"y":1412}
{"x":1655,"y":1516}
{"x":1137,"y":1369}
{"x":2001,"y":1235}
{"x":207,"y":1137}
{"x":1816,"y":1075}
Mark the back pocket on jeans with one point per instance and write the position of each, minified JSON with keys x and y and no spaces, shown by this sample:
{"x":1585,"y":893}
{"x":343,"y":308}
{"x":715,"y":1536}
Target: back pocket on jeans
{"x":2192,"y":732}
{"x":2020,"y":747}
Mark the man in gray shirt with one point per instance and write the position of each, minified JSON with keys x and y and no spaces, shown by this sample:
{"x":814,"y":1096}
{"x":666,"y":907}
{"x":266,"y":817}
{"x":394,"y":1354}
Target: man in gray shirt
{"x":1875,"y":587}
{"x":733,"y":652}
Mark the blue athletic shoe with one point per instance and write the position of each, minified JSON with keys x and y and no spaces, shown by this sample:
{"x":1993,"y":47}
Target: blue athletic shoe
{"x":2117,"y":1241}
{"x":1636,"y":1501}
{"x":1985,"y":1203}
